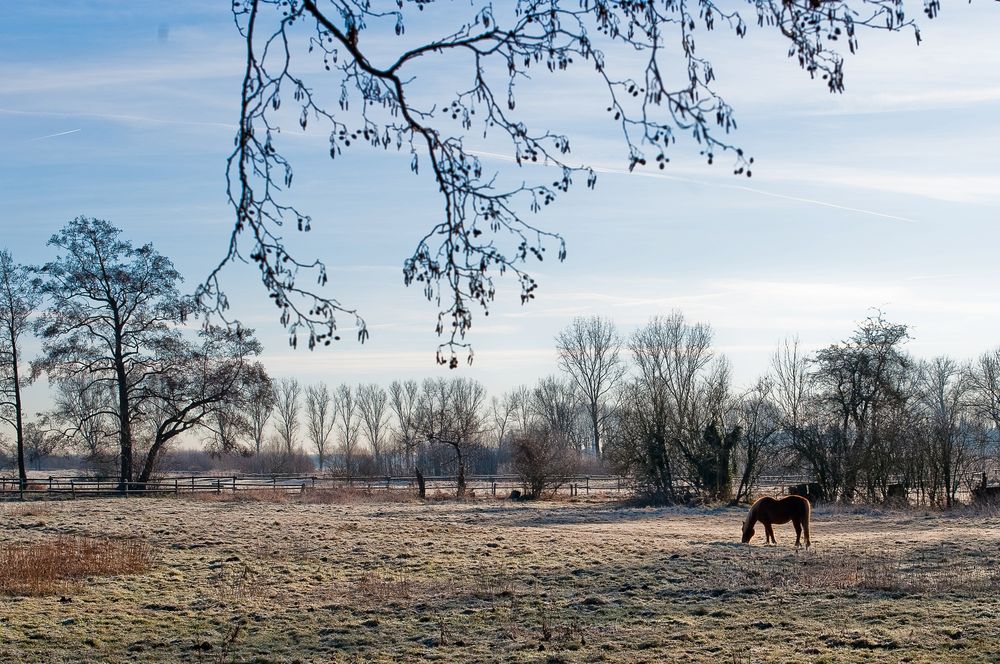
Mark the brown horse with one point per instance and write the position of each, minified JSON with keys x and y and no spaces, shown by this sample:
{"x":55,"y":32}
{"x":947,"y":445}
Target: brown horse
{"x":770,"y":510}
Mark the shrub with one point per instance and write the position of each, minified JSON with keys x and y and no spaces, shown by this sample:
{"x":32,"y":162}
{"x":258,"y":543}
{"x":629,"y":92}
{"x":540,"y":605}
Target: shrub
{"x":544,"y":460}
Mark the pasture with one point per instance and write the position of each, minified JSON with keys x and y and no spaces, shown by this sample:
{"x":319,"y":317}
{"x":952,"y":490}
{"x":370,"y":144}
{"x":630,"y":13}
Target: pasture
{"x":238,"y":580}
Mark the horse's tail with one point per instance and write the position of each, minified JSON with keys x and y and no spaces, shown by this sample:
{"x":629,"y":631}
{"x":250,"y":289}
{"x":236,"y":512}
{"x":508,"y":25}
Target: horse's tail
{"x":806,"y":520}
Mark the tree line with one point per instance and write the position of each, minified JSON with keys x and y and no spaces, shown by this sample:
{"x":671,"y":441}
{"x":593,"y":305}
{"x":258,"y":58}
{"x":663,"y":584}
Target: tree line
{"x":861,"y":417}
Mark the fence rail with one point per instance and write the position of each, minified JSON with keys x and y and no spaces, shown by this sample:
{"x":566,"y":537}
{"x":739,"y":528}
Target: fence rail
{"x":499,"y":485}
{"x":495,"y":485}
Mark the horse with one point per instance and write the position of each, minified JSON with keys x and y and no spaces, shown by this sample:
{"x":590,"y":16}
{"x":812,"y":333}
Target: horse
{"x":770,"y":511}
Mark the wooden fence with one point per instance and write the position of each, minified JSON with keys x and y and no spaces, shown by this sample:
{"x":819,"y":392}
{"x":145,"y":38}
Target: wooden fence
{"x":494,"y":485}
{"x":72,"y":486}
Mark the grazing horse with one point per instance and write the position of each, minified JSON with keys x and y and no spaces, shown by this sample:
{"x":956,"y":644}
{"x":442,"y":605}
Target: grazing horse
{"x":770,"y":510}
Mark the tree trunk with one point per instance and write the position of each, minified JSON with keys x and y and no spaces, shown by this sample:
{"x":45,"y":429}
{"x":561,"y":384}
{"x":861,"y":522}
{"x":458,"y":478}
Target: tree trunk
{"x":460,"y":492}
{"x":596,"y":422}
{"x":124,"y":424}
{"x":421,"y":485}
{"x":22,"y":472}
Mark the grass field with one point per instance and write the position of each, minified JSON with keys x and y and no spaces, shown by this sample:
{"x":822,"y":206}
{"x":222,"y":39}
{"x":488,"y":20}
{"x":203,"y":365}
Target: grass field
{"x":484,"y":581}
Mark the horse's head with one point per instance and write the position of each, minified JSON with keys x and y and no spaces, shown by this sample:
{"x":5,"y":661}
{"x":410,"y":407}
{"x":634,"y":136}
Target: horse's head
{"x":748,"y":531}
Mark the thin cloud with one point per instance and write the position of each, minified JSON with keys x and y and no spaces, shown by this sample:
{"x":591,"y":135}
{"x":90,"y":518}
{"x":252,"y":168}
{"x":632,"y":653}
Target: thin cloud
{"x":121,"y":117}
{"x":706,"y":183}
{"x":61,"y":133}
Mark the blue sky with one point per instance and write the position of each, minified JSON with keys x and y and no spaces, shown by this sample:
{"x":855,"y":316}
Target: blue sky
{"x":886,"y":196}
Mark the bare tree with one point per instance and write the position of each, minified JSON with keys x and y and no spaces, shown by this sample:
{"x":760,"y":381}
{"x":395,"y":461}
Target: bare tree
{"x":589,"y":351}
{"x":452,"y":415}
{"x":348,"y":424}
{"x":373,"y":407}
{"x":39,"y":444}
{"x":374,"y":98}
{"x":113,"y":315}
{"x":555,"y":405}
{"x":943,"y":397}
{"x":791,"y":383}
{"x":84,"y":416}
{"x":858,"y":381}
{"x":288,"y":396}
{"x":204,"y":379}
{"x":522,"y":413}
{"x":320,"y":415}
{"x":503,"y":414}
{"x":260,"y":405}
{"x":20,"y":296}
{"x":760,"y":423}
{"x":984,"y":386}
{"x":403,"y":400}
{"x":674,"y":419}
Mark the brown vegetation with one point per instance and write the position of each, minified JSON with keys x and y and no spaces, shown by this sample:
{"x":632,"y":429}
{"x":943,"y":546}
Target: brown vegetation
{"x":52,"y":565}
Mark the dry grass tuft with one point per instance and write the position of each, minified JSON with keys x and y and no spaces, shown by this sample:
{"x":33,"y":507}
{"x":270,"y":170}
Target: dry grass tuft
{"x":865,"y":569}
{"x":33,"y":508}
{"x":381,"y":588}
{"x":43,"y":568}
{"x":264,"y":495}
{"x":354,"y":496}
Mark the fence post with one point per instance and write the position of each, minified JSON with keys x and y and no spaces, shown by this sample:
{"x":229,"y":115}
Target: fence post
{"x":234,"y":483}
{"x":494,"y":489}
{"x":50,"y":483}
{"x":72,"y":490}
{"x":314,"y":481}
{"x":588,"y":485}
{"x":218,"y":486}
{"x":177,"y":488}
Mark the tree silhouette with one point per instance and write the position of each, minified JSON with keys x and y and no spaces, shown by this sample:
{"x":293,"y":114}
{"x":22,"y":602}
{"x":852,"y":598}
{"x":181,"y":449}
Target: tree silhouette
{"x":112,"y":308}
{"x":113,"y":327}
{"x":19,"y":298}
{"x":372,"y":95}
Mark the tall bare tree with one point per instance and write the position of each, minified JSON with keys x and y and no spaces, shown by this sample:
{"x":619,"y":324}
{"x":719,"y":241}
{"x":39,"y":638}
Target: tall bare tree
{"x":113,"y":315}
{"x":858,"y":382}
{"x":348,"y":424}
{"x":320,"y":414}
{"x":260,"y":405}
{"x":943,"y":395}
{"x":403,"y":400}
{"x":20,"y":296}
{"x":590,"y":352}
{"x":555,"y":405}
{"x":760,"y":423}
{"x":453,"y":416}
{"x":373,"y":407}
{"x":288,"y":394}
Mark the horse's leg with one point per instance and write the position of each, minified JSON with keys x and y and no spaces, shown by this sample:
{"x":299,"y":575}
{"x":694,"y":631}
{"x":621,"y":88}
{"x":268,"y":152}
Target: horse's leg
{"x":770,"y":532}
{"x":805,"y":529}
{"x":798,"y":532}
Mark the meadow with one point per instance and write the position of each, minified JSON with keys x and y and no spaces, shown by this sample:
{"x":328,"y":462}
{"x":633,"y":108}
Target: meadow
{"x":353,"y":579}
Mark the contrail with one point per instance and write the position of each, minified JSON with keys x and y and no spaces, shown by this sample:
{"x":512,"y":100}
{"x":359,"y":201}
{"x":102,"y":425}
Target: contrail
{"x":762,"y":192}
{"x":62,"y":133}
{"x":117,"y":116}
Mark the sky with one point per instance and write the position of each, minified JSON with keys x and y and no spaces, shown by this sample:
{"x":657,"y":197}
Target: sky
{"x":886,"y":196}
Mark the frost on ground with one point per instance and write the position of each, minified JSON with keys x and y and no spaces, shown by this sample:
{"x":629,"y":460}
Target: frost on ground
{"x":486,"y":581}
